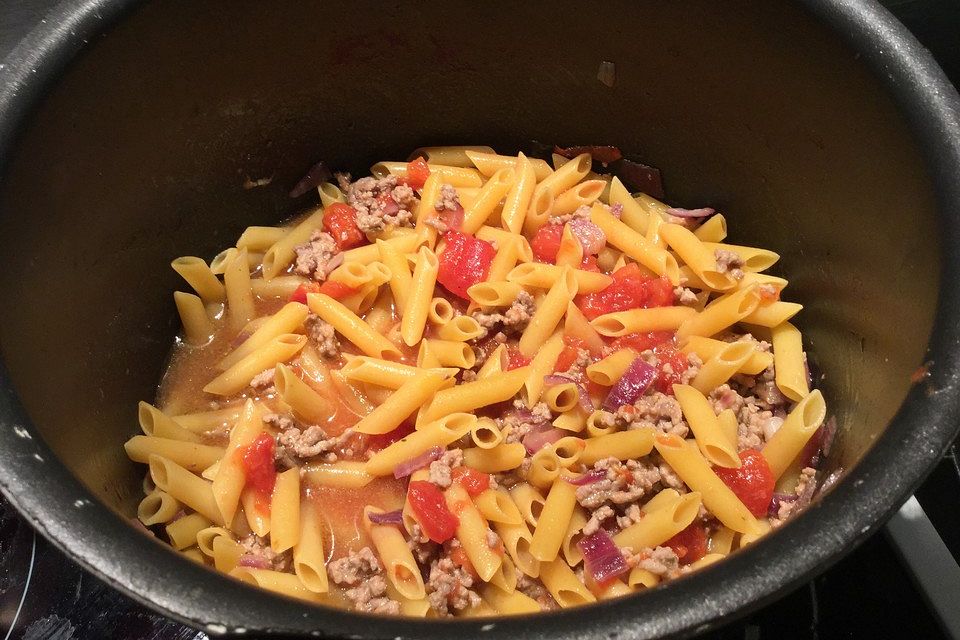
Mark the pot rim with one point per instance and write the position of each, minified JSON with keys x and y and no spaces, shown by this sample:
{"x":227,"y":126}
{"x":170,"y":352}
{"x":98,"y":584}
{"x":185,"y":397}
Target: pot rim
{"x":67,"y":514}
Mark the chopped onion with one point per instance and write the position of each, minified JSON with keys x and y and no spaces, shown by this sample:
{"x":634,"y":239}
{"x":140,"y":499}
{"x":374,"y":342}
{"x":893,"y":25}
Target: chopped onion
{"x":594,"y":475}
{"x":691,"y":213}
{"x":640,"y":177}
{"x":601,"y":557}
{"x":555,"y":378}
{"x":253,"y":561}
{"x":387,"y":517}
{"x":407,"y":467}
{"x":591,"y":237}
{"x":536,"y":440}
{"x":633,"y":384}
{"x":779,"y":499}
{"x":318,"y":173}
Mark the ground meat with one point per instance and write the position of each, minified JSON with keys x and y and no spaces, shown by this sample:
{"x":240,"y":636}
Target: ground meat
{"x":448,"y":587}
{"x":323,"y":335}
{"x":448,"y":199}
{"x":804,"y":491}
{"x":423,"y":549}
{"x":657,"y":410}
{"x":625,"y":482}
{"x":729,"y":262}
{"x":685,"y":296}
{"x":533,"y":588}
{"x":381,"y":202}
{"x":514,"y":320}
{"x":263,"y":380}
{"x":370,"y":596}
{"x":582,"y":212}
{"x":355,"y":567}
{"x":661,"y":561}
{"x":310,"y":443}
{"x":518,"y":424}
{"x":493,"y":540}
{"x":468,"y":375}
{"x":259,"y":548}
{"x":693,"y":368}
{"x":314,"y":258}
{"x":576,"y":368}
{"x":755,"y":421}
{"x":440,"y":470}
{"x":630,"y":516}
{"x":279,"y":421}
{"x":596,"y":519}
{"x":767,"y":292}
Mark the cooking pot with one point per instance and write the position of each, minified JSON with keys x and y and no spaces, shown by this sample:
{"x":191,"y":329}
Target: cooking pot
{"x":128,"y":129}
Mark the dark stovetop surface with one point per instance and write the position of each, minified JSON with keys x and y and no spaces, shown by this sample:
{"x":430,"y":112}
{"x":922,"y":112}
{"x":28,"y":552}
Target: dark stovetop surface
{"x":869,"y":594}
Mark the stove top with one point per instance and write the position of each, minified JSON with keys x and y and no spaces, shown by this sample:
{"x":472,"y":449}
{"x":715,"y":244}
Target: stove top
{"x":887,"y":588}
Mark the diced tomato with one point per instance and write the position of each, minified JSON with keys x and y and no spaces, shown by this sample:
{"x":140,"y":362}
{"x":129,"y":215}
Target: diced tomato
{"x":300,"y":293}
{"x":430,"y":507}
{"x":258,"y":466}
{"x":515,"y":359}
{"x":546,"y":242}
{"x":640,"y":342}
{"x":690,"y":544}
{"x":460,"y":558}
{"x":753,"y":482}
{"x":337,"y":290}
{"x":769,"y":294}
{"x":473,"y":481}
{"x":340,"y":220}
{"x":667,"y":354}
{"x":630,"y":289}
{"x":417,"y":173}
{"x":570,"y":353}
{"x":384,"y":440}
{"x":464,"y":262}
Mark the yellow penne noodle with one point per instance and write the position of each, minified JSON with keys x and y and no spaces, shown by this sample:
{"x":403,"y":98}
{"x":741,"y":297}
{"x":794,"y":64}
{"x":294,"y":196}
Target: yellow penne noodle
{"x":228,"y":483}
{"x":529,"y":501}
{"x":576,"y":325}
{"x":633,"y":214}
{"x":187,"y":488}
{"x":258,"y":520}
{"x":434,"y":434}
{"x":568,"y":450}
{"x":330,"y":194}
{"x":472,"y":395}
{"x":624,"y":445}
{"x":548,"y":314}
{"x":486,"y":434}
{"x":197,"y":328}
{"x":285,"y":511}
{"x":472,"y":532}
{"x":789,"y":360}
{"x":496,"y":506}
{"x":260,"y":238}
{"x":641,"y":578}
{"x":561,"y":397}
{"x":635,"y":245}
{"x":449,"y":353}
{"x":417,"y":305}
{"x":454,"y":156}
{"x":506,"y":604}
{"x":516,"y":539}
{"x":488,"y":199}
{"x":199,"y":276}
{"x":713,"y":230}
{"x":496,"y":363}
{"x":208,"y":420}
{"x":494,"y":294}
{"x":157,"y":507}
{"x":721,"y":541}
{"x":440,"y":313}
{"x":351,"y":326}
{"x":696,"y":255}
{"x":281,"y":253}
{"x":563,"y":584}
{"x":309,"y":557}
{"x":404,"y":401}
{"x":489,"y":163}
{"x":695,"y":471}
{"x":574,"y":420}
{"x":554,"y":520}
{"x":717,"y":369}
{"x":798,"y":427}
{"x":189,"y":455}
{"x":708,"y":348}
{"x":517,"y":200}
{"x":301,"y":397}
{"x":279,"y":287}
{"x":182,"y":532}
{"x":454,"y":176}
{"x":286,"y":584}
{"x":346,"y":474}
{"x":710,"y":436}
{"x":287,"y":320}
{"x":597,"y":425}
{"x":659,"y":525}
{"x":566,"y":176}
{"x":610,"y":369}
{"x":579,"y":195}
{"x":236,"y":278}
{"x":754,"y":259}
{"x":621,"y":323}
{"x":544,"y":276}
{"x":395,"y":556}
{"x":154,"y":422}
{"x":729,"y":426}
{"x":570,"y":252}
{"x":279,"y":349}
{"x":573,"y":535}
{"x":500,"y":458}
{"x":505,"y":578}
{"x":545,"y":467}
{"x":720,"y":314}
{"x":543,"y":363}
{"x":772,"y":314}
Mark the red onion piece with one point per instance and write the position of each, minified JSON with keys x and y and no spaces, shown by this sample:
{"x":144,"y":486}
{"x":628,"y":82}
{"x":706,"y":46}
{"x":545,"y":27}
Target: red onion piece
{"x":594,"y":475}
{"x":556,"y":378}
{"x":640,"y":177}
{"x":691,"y":213}
{"x":534,"y":441}
{"x":616,"y":210}
{"x":253,"y":561}
{"x":389,"y":206}
{"x":591,"y":237}
{"x":387,"y":517}
{"x":407,"y":467}
{"x":604,"y":154}
{"x":634,"y":383}
{"x":318,"y":173}
{"x":586,"y":404}
{"x":601,"y":557}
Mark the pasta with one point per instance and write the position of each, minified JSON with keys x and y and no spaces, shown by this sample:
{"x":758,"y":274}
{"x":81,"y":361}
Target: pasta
{"x":474,"y":372}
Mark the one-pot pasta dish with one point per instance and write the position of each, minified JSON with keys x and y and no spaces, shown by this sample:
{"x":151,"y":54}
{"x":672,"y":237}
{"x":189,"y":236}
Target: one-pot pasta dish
{"x":475,"y":384}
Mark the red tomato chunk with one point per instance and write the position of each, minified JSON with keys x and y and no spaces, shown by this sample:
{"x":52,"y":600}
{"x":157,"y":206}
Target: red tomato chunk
{"x":340,"y":221}
{"x":546,"y":242}
{"x":640,"y":342}
{"x":430,"y":507}
{"x":690,"y":544}
{"x":337,"y":290}
{"x":258,"y":463}
{"x":753,"y":482}
{"x":672,"y":365}
{"x":417,"y":173}
{"x":465,"y":261}
{"x":473,"y":481}
{"x":300,"y":293}
{"x":630,"y":289}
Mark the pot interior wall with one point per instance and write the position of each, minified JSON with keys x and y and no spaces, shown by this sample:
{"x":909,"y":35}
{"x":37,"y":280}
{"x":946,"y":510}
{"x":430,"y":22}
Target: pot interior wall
{"x":138,"y":156}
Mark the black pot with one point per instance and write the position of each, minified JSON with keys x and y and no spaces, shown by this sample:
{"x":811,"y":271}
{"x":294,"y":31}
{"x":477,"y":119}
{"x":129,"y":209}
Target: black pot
{"x":820,"y":127}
